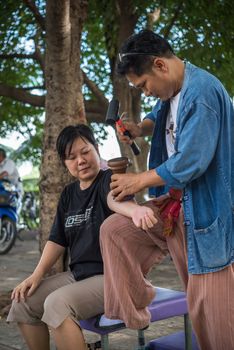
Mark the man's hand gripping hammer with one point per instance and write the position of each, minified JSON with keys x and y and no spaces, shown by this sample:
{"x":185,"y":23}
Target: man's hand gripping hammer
{"x":112,"y":118}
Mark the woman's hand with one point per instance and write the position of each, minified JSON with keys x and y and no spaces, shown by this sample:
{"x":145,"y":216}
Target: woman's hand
{"x":26,"y":288}
{"x":143,"y":217}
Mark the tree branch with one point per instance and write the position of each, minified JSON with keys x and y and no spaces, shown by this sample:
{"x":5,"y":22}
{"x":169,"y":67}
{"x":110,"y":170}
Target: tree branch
{"x":17,"y":55}
{"x":39,"y":87}
{"x":21,"y":95}
{"x":39,"y":58}
{"x":33,"y":8}
{"x":95,"y":90}
{"x":173,"y":20}
{"x":152,"y":18}
{"x":34,"y":56}
{"x":94,"y":117}
{"x":37,"y":52}
{"x":95,"y":112}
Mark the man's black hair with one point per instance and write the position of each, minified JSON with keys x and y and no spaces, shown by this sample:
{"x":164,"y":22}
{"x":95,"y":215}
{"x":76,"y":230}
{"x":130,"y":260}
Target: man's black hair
{"x":147,"y":44}
{"x":69,"y":134}
{"x":3,"y":152}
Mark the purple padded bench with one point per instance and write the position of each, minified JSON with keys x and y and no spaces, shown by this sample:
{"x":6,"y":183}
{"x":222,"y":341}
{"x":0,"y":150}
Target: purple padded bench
{"x":175,"y":341}
{"x":167,"y":303}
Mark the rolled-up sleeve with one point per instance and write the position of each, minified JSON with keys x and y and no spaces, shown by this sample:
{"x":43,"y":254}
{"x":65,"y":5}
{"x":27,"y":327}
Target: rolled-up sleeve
{"x":153,"y":114}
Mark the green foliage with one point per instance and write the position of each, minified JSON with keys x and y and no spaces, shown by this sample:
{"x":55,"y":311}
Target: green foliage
{"x":31,"y":185}
{"x":100,"y":132}
{"x":201,"y":32}
{"x":19,"y":35}
{"x":94,"y":50}
{"x":26,"y":120}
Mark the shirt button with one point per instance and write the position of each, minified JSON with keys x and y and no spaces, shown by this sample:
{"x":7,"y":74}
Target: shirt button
{"x":187,"y":222}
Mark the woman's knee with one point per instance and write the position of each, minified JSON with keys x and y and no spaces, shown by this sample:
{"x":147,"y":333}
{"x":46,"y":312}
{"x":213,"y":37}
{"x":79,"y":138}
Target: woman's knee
{"x":18,"y":307}
{"x":22,"y":312}
{"x":54,"y":301}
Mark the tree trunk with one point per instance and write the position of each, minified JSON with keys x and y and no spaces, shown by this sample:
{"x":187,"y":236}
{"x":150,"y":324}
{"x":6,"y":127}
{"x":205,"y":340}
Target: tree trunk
{"x":130,"y":101}
{"x":130,"y":98}
{"x":64,"y":100}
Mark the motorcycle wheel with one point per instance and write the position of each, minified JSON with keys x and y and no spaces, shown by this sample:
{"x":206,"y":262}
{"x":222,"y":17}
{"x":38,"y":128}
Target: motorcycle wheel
{"x":7,"y":235}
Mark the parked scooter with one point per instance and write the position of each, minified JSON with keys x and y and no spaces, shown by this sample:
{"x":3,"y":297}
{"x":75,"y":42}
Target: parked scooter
{"x":29,"y":214}
{"x":8,"y":215}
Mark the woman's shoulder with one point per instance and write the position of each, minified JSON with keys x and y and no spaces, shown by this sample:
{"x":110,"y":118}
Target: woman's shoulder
{"x":102,"y":182}
{"x":105,"y":172}
{"x":70,"y":189}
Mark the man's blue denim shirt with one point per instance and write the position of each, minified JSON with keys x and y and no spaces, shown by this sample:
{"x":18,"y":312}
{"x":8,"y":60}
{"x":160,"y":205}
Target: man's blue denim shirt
{"x":202,"y":165}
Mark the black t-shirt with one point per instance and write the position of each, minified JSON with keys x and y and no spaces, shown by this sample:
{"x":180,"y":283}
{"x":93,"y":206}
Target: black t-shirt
{"x":79,"y":216}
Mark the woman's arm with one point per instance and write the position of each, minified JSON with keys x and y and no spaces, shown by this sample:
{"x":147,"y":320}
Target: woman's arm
{"x":50,"y":255}
{"x":141,"y":216}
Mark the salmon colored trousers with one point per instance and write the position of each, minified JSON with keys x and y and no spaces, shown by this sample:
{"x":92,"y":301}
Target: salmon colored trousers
{"x":130,"y":252}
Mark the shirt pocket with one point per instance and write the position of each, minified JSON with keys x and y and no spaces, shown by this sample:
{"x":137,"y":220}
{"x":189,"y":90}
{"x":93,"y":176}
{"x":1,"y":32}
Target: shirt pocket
{"x":212,"y":245}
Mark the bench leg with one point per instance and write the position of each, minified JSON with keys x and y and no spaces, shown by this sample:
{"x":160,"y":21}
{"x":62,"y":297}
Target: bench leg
{"x":188,"y":332}
{"x":141,"y":339}
{"x":105,"y":342}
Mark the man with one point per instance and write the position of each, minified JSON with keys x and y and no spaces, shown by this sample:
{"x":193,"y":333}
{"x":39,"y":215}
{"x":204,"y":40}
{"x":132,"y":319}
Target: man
{"x":9,"y":171}
{"x":192,"y":152}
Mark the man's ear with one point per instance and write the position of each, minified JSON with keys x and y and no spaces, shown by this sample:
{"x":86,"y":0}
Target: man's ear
{"x":160,"y":64}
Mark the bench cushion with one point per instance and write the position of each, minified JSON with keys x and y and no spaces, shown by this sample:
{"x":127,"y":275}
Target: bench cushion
{"x":167,"y":303}
{"x":175,"y":341}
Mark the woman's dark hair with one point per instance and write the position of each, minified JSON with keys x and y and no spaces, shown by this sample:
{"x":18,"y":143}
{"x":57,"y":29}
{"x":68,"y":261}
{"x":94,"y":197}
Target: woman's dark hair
{"x":138,"y":51}
{"x":69,"y":134}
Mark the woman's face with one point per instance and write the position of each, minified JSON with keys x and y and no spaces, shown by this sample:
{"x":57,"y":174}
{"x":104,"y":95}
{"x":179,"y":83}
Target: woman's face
{"x":83,"y":162}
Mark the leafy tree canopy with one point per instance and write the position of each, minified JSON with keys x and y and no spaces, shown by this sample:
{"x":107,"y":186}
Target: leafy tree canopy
{"x":201,"y":32}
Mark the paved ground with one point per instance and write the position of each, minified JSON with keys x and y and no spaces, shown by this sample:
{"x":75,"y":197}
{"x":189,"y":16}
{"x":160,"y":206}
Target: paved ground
{"x":20,"y":262}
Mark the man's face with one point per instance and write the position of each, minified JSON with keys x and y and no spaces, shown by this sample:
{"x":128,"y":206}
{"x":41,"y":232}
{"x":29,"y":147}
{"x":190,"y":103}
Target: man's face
{"x":83,"y":162}
{"x":156,"y":82}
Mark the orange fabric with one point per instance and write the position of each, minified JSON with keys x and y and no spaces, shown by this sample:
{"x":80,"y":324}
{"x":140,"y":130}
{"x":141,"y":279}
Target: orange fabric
{"x":169,"y":210}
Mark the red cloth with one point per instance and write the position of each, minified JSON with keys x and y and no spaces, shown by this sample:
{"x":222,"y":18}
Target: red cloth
{"x":170,"y":209}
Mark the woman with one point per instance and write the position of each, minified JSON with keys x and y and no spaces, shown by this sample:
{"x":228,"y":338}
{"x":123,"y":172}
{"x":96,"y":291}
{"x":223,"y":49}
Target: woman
{"x":59,"y":301}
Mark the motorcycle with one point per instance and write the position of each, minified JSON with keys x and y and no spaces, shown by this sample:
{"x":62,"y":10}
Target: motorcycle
{"x":8,"y":215}
{"x":29,"y":215}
